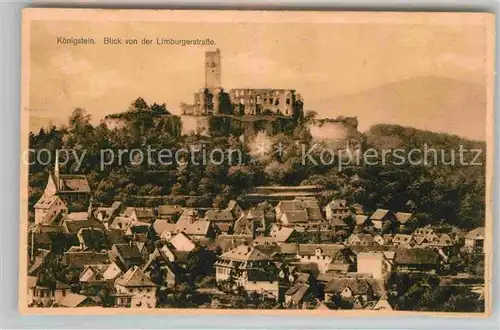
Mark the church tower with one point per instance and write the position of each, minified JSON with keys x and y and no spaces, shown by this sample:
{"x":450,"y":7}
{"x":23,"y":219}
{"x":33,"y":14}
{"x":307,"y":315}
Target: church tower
{"x":213,"y":70}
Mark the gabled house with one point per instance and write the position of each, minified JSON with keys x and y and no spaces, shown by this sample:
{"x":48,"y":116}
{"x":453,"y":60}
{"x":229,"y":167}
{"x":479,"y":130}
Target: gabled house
{"x":328,"y":257}
{"x":135,"y":289}
{"x":48,"y":208}
{"x":363,"y":223}
{"x":126,"y":255}
{"x":385,"y":239}
{"x":382,"y":216}
{"x":139,"y":214}
{"x":223,"y":219}
{"x":337,"y":209}
{"x":375,"y":263}
{"x":92,"y":239}
{"x":107,"y":214}
{"x":474,"y":240}
{"x":416,"y":260}
{"x":234,"y":208}
{"x":403,"y":218}
{"x":74,"y":300}
{"x":294,"y":296}
{"x":403,"y":240}
{"x":69,"y":187}
{"x":361,"y":239}
{"x":283,"y":235}
{"x":298,"y":204}
{"x":423,"y":231}
{"x":249,"y":268}
{"x":76,"y":261}
{"x":170,"y":212}
{"x":357,"y":292}
{"x":100,"y":273}
{"x":181,"y":242}
{"x":160,"y":269}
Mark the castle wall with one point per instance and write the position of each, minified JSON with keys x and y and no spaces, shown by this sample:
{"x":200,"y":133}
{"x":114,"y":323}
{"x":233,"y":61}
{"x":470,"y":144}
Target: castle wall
{"x":195,"y":125}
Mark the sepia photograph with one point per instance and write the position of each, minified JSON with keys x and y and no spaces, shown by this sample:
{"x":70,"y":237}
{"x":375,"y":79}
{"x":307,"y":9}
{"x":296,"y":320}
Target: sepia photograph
{"x":266,"y":162}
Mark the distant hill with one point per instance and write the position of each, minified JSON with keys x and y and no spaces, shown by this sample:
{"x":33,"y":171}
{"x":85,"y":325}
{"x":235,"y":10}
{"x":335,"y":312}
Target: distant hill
{"x":397,"y":136}
{"x":422,"y":103}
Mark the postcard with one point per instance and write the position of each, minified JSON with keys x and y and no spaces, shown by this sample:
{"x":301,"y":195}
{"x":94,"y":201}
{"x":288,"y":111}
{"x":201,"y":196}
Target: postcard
{"x":256,"y":162}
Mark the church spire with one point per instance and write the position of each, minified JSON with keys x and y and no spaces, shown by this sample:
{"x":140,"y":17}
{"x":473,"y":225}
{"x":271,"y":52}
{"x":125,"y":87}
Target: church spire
{"x":56,"y":171}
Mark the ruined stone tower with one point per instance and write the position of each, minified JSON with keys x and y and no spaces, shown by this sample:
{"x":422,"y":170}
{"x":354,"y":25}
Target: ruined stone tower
{"x":213,"y":70}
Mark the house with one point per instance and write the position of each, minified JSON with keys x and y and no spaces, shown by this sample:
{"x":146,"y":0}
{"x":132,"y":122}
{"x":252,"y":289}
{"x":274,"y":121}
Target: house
{"x":382,"y":304}
{"x":337,"y":209}
{"x":139,"y":214}
{"x":423,"y":231}
{"x":138,"y":232}
{"x":374,"y":263}
{"x":298,"y":204}
{"x":443,"y":241}
{"x":190,"y":225}
{"x":162,"y":225}
{"x":197,"y":230}
{"x":382,"y":216}
{"x":126,"y":255}
{"x":38,"y":295}
{"x":107,"y":214}
{"x":404,"y":240}
{"x":135,"y":289}
{"x":328,"y":257}
{"x":76,"y":261}
{"x":48,"y":208}
{"x":385,"y":239}
{"x":361,"y":239}
{"x":181,"y":242}
{"x":100,"y":273}
{"x":121,"y":223}
{"x":160,"y":269}
{"x":363,"y":223}
{"x":245,"y":225}
{"x":356,"y":291}
{"x":74,"y":300}
{"x":282,"y":234}
{"x":178,"y":258}
{"x":72,"y":227}
{"x":38,"y":259}
{"x":416,"y":260}
{"x":234,"y":208}
{"x":170,"y":212}
{"x":295,"y":295}
{"x":294,"y":218}
{"x":403,"y":218}
{"x":69,"y":187}
{"x":250,"y":268}
{"x":219,"y":216}
{"x":474,"y":240}
{"x":92,"y":239}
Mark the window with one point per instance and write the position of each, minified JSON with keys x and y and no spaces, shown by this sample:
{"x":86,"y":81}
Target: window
{"x":42,"y":293}
{"x":288,"y":101}
{"x":64,"y":292}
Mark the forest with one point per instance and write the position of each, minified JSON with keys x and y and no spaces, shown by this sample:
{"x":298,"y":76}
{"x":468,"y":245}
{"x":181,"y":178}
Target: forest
{"x":441,"y":195}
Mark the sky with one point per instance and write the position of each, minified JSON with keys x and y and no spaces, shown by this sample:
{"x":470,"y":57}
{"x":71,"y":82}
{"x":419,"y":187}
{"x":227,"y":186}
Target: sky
{"x":429,"y":76}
